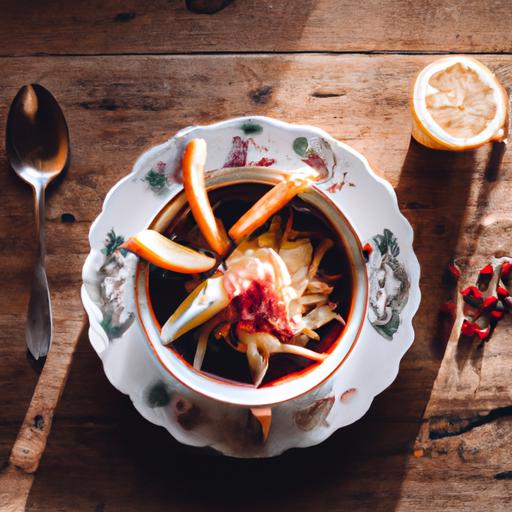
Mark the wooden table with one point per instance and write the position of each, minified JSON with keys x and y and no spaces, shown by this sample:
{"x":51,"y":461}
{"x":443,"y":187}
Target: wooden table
{"x":128,"y":75}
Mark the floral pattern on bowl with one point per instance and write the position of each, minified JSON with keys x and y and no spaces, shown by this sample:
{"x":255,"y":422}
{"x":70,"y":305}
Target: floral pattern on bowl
{"x":389,"y":284}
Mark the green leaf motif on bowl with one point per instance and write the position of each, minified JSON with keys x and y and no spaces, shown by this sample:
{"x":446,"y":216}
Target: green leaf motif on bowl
{"x":112,"y":242}
{"x":158,"y":395}
{"x":156,"y":178}
{"x":318,"y":154}
{"x":300,"y":146}
{"x":251,"y":128}
{"x":112,"y":329}
{"x":387,"y":241}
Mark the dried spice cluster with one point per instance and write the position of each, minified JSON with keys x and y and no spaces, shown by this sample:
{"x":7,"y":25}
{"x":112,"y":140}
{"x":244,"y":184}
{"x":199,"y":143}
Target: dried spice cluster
{"x":486,"y":303}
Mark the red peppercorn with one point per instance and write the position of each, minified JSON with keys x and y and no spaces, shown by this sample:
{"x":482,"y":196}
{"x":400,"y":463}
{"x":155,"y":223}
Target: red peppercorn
{"x":473,"y":329}
{"x":506,"y":272}
{"x":484,"y":277}
{"x":454,"y":270}
{"x":472,"y":291}
{"x":498,"y":315}
{"x":502,"y":292}
{"x":487,"y":270}
{"x":472,"y":296}
{"x":468,"y":328}
{"x":489,"y":303}
{"x":367,"y":250}
{"x":451,"y":274}
{"x":483,"y":334}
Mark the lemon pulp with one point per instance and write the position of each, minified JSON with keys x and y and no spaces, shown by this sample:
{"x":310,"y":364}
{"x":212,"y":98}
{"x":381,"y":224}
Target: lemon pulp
{"x":460,"y":102}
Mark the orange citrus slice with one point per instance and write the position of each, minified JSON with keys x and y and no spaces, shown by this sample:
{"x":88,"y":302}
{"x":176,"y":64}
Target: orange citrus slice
{"x":457,"y":103}
{"x":164,"y":253}
{"x":194,"y":160}
{"x":267,"y":205}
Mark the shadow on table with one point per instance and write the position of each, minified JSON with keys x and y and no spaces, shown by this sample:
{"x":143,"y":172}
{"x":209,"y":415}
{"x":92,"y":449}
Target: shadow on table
{"x":102,"y":455}
{"x":467,"y":350}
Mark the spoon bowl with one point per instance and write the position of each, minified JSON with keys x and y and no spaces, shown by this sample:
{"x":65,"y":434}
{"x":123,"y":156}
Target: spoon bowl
{"x":37,"y":138}
{"x":37,"y":145}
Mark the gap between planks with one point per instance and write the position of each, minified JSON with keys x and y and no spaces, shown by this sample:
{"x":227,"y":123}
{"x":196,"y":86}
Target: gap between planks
{"x":252,"y":53}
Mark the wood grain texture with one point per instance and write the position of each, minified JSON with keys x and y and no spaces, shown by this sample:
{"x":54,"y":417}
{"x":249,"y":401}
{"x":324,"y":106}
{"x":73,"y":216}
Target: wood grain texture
{"x":16,"y":478}
{"x":101,"y":454}
{"x":163,"y":26}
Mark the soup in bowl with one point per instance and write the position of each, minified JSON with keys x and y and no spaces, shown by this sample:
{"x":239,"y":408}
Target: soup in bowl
{"x":311,"y":236}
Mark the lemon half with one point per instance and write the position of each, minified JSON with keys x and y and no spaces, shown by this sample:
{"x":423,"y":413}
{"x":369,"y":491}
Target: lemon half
{"x":457,"y":103}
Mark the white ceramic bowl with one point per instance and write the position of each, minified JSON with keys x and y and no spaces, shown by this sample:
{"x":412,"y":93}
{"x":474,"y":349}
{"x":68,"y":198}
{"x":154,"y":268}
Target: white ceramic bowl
{"x":249,"y":396}
{"x":201,"y":411}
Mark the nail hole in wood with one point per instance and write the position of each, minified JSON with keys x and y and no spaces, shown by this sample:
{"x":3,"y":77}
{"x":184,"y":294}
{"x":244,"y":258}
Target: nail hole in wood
{"x":206,"y":6}
{"x":67,"y":218}
{"x":39,"y":422}
{"x":261,"y":95}
{"x":125,"y":17}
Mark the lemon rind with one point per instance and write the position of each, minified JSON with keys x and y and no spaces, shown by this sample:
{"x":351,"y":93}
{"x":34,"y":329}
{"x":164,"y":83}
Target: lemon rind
{"x":430,"y":129}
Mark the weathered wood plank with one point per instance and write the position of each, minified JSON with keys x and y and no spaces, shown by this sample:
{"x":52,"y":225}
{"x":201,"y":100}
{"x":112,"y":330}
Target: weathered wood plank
{"x":467,"y":425}
{"x":162,"y":26}
{"x":101,"y":454}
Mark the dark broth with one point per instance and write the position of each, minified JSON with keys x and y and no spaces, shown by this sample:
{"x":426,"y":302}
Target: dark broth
{"x":167,"y":289}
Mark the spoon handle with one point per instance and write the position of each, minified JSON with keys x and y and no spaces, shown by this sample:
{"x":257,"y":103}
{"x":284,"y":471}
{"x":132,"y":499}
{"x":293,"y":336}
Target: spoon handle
{"x":38,"y":331}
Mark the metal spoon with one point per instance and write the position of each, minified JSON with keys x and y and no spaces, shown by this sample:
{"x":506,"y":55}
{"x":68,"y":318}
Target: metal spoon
{"x":37,"y":145}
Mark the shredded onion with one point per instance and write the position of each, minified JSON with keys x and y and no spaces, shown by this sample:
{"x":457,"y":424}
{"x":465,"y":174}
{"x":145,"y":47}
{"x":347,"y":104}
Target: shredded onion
{"x":320,"y":316}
